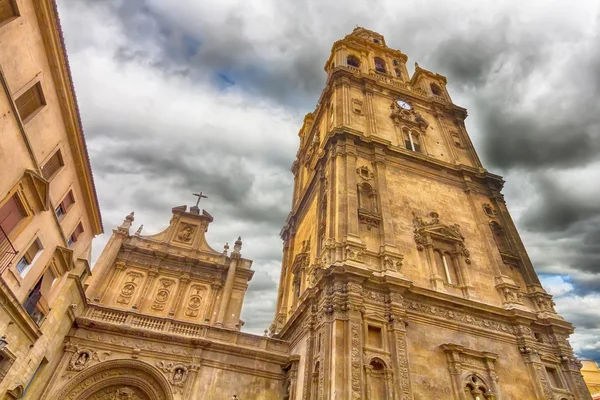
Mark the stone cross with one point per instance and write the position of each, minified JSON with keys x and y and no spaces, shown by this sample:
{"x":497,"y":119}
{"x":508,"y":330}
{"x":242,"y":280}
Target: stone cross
{"x":200,"y":197}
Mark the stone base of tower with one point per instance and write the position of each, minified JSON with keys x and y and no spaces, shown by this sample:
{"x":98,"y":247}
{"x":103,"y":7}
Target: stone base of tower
{"x":358,"y":337}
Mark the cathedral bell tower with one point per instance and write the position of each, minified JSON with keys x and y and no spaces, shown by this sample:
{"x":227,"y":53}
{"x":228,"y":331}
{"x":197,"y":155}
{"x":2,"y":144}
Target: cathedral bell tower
{"x":403,"y":275}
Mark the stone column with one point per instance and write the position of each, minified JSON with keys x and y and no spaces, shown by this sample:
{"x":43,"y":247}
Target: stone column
{"x":212,"y":298}
{"x":572,"y":370}
{"x":184,"y":282}
{"x":370,"y":112}
{"x":228,"y":288}
{"x":352,"y":201}
{"x":107,"y":258}
{"x":397,"y":329}
{"x":384,"y":203}
{"x":120,"y":266}
{"x":540,"y":384}
{"x":152,"y":274}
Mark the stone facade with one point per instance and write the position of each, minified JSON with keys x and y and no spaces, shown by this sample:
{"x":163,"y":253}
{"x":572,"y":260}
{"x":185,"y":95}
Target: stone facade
{"x":162,"y":322}
{"x":403,"y":274}
{"x":48,"y":207}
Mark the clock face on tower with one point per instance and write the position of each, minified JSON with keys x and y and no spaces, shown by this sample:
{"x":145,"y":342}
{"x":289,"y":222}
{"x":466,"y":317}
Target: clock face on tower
{"x":403,"y":104}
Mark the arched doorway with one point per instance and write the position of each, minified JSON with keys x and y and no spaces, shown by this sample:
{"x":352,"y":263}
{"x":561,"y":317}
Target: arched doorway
{"x":117,"y":380}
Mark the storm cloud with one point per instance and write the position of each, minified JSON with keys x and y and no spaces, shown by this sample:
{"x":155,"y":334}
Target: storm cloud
{"x":178,"y":97}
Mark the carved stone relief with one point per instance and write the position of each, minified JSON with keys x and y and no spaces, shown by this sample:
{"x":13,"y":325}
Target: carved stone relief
{"x":132,"y":281}
{"x":83,"y":357}
{"x":195,"y":301}
{"x":176,"y":373}
{"x":186,"y":232}
{"x":162,"y":294}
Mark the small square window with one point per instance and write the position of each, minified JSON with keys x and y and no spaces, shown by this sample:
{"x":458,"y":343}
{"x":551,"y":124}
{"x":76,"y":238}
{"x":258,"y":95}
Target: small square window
{"x":30,"y":101}
{"x":51,"y":167}
{"x":8,"y":10}
{"x":59,"y":211}
{"x":75,"y":235}
{"x":553,"y":377}
{"x":22,"y":266}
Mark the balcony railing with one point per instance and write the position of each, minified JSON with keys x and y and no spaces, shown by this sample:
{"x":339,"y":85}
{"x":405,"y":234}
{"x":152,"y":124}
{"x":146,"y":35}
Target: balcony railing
{"x":7,"y":251}
{"x":170,"y":326}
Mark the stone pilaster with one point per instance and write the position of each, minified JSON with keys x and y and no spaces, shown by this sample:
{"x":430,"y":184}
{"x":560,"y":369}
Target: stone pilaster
{"x":143,"y":300}
{"x":184,"y":282}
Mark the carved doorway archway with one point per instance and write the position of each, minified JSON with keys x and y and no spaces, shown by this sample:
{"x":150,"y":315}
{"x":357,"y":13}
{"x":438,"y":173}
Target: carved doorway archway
{"x":117,"y":380}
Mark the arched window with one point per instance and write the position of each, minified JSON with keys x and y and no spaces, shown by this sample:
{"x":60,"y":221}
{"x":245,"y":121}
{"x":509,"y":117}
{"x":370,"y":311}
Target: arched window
{"x":377,"y":380}
{"x":380,"y":65}
{"x":411,"y":141}
{"x":445,"y":267}
{"x":476,"y":389}
{"x":366,"y":198}
{"x":353,"y":61}
{"x":396,"y":62}
{"x":375,"y":40}
{"x":435,"y":89}
{"x":398,"y":73}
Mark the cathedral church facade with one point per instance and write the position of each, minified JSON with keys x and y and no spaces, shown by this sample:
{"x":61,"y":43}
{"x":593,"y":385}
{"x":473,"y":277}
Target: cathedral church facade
{"x":403,"y":275}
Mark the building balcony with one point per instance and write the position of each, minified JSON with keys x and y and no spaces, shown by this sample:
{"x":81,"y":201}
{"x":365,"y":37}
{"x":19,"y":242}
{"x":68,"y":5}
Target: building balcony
{"x":7,"y":251}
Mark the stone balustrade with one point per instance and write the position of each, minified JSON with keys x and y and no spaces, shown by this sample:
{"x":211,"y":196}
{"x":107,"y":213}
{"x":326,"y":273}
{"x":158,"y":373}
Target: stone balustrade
{"x":170,"y":326}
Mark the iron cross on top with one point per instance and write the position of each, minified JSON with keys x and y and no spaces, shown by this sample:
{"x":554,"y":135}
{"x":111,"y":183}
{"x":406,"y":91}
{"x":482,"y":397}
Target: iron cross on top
{"x":200,"y":197}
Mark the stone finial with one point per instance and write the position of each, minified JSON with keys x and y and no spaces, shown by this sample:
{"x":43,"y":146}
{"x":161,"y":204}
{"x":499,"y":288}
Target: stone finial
{"x":238,"y":245}
{"x":417,"y":65}
{"x":139,"y":231}
{"x":127,"y":223}
{"x":225,"y":249}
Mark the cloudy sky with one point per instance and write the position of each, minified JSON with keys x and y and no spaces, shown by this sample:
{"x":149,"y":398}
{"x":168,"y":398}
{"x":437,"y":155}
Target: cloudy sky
{"x":182,"y":96}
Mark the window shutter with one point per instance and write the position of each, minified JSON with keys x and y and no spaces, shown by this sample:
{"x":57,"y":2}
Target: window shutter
{"x":32,"y":251}
{"x":7,"y":10}
{"x":11,"y":213}
{"x":52,"y":165}
{"x":68,"y":201}
{"x":29,"y":101}
{"x":78,"y":231}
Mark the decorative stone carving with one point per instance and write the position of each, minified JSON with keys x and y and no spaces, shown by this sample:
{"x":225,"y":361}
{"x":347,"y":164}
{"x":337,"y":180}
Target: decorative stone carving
{"x":459,"y":316}
{"x":489,"y":210}
{"x":354,"y":254}
{"x":162,"y":294}
{"x":356,"y":361}
{"x":186,"y":232}
{"x":392,"y":263}
{"x":195,"y":300}
{"x":426,"y":231}
{"x":132,"y":281}
{"x":176,"y":373}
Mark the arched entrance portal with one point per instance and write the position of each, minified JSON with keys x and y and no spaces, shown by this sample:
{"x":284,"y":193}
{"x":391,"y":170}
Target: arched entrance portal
{"x":117,"y":380}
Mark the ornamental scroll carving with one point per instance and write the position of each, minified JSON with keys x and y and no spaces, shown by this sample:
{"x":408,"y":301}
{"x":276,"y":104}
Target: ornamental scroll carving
{"x":356,"y":362}
{"x":130,"y":286}
{"x":119,"y":393}
{"x":392,"y":263}
{"x":195,"y":301}
{"x":459,"y":316}
{"x":162,"y":294}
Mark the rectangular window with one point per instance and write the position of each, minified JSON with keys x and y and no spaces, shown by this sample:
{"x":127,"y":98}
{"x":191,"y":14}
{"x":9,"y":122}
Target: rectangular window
{"x":52,"y":165}
{"x":28,"y":258}
{"x":11,"y":214}
{"x":60,"y":211}
{"x":374,"y":338}
{"x":75,"y":235}
{"x":553,"y":377}
{"x":7,"y":10}
{"x":30,"y":101}
{"x":65,"y":205}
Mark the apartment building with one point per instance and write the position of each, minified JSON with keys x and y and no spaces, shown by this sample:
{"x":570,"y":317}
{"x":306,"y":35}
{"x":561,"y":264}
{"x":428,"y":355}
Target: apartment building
{"x":49,"y":210}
